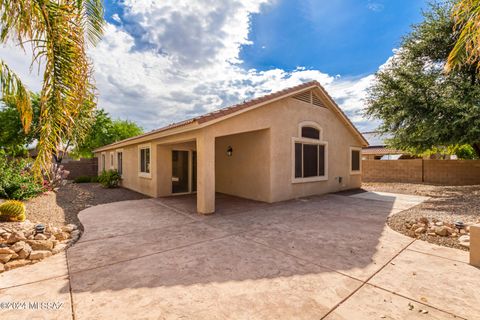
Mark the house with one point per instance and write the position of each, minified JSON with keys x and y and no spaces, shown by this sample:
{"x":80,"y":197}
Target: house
{"x":292,"y":143}
{"x":378,"y":150}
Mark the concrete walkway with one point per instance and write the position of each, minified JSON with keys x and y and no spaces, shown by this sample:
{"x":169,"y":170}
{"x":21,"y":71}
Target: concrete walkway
{"x":328,"y":257}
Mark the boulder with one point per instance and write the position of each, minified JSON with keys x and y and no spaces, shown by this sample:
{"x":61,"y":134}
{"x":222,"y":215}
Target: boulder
{"x":40,"y":244}
{"x":15,"y":237}
{"x":420,"y":230}
{"x":18,"y":246}
{"x":5,"y":257}
{"x":2,"y":268}
{"x":39,"y":254}
{"x":5,"y":250}
{"x":59,"y":248}
{"x":443,"y":231}
{"x":16,"y":264}
{"x":69,"y":227}
{"x":62,"y":236}
{"x":40,"y":236}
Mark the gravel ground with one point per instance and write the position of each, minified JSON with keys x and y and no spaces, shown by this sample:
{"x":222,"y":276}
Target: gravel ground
{"x":446,"y":203}
{"x":61,"y":208}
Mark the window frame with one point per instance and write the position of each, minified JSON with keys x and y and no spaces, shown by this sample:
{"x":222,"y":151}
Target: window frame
{"x":117,"y":152}
{"x":103,"y":160}
{"x":140,"y":173}
{"x":310,"y":141}
{"x":350,"y":156}
{"x":112,"y":160}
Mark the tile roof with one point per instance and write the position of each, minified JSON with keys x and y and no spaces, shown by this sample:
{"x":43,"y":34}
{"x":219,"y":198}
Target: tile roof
{"x":232,"y":109}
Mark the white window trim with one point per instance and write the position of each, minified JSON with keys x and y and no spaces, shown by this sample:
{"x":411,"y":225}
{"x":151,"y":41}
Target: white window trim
{"x":144,"y":174}
{"x":302,"y":140}
{"x":312,"y":124}
{"x":103,"y":160}
{"x":352,"y":172}
{"x":116,"y":159}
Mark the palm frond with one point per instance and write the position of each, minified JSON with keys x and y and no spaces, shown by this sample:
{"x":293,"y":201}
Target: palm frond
{"x":13,"y":90}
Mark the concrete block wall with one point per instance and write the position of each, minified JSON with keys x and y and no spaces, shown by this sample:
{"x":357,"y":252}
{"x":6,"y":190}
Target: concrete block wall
{"x":442,"y":172}
{"x":82,"y":167}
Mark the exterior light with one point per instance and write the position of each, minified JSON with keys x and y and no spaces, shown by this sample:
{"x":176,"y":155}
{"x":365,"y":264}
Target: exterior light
{"x":229,"y":151}
{"x":39,"y":228}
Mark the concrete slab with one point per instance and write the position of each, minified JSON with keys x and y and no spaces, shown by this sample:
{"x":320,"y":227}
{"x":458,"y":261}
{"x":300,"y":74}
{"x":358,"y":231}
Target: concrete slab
{"x":229,"y":277}
{"x":443,"y":283}
{"x":439,"y":251}
{"x":398,"y":201}
{"x":374,"y":303}
{"x":97,"y":253}
{"x":49,"y":299}
{"x":53,"y":267}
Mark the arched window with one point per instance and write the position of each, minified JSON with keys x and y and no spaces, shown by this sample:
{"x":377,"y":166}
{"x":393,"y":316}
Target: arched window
{"x":309,"y":154}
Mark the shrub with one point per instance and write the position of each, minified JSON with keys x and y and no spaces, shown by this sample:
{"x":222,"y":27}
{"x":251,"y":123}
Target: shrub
{"x":110,"y":178}
{"x":12,"y":210}
{"x":16,"y":179}
{"x":85,"y":179}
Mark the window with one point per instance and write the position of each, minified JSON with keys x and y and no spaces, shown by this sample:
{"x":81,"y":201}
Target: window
{"x":103,"y":162}
{"x":120,"y":162}
{"x":310,"y":154}
{"x":355,"y":160}
{"x":145,"y":161}
{"x":111,"y":160}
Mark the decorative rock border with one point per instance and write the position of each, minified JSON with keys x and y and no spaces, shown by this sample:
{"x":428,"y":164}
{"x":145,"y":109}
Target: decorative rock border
{"x":436,"y":228}
{"x":22,"y":245}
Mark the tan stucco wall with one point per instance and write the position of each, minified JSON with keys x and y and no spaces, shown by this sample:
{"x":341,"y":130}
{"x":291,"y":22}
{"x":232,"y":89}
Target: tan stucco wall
{"x":247,"y":172}
{"x":265,"y":158}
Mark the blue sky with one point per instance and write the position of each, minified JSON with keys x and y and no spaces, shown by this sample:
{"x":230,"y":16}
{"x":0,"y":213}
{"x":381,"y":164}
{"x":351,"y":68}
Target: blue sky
{"x":162,"y":61}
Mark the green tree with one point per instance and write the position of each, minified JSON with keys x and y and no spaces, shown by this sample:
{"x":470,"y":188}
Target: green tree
{"x":13,"y":139}
{"x":58,"y":32}
{"x":417,"y":102}
{"x":105,"y":131}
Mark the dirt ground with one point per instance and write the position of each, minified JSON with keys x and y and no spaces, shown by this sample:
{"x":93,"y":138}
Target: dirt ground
{"x":446,"y":203}
{"x":60,"y":208}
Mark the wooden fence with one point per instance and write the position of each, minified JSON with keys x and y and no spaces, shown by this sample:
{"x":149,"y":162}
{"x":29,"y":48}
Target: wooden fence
{"x":82,"y":167}
{"x":443,"y":172}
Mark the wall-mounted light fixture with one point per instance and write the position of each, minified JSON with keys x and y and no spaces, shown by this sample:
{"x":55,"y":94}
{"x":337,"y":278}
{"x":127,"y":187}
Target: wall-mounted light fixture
{"x":229,"y":151}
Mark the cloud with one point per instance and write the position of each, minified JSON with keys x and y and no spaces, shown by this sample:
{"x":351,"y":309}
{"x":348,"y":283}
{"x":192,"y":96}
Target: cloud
{"x":170,"y":60}
{"x":375,"y":6}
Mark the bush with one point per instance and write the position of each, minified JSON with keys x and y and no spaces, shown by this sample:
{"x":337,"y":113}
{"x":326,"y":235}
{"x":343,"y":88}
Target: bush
{"x":12,"y":210}
{"x":17,"y":180}
{"x":110,"y":178}
{"x":85,"y":179}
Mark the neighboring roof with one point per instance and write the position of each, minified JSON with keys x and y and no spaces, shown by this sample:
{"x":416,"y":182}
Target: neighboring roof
{"x":241,"y":107}
{"x":380,"y":151}
{"x":376,"y":139}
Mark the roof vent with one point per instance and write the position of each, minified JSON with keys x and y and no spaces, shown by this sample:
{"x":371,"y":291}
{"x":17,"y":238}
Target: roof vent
{"x":309,"y":97}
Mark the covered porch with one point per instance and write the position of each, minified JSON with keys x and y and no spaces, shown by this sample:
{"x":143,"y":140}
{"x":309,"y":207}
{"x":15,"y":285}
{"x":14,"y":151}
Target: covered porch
{"x":205,"y":169}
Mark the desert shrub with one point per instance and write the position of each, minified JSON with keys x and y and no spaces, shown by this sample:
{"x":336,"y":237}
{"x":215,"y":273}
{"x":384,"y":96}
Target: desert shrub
{"x":12,"y":210}
{"x":17,"y":180}
{"x":109,"y":178}
{"x":85,"y":179}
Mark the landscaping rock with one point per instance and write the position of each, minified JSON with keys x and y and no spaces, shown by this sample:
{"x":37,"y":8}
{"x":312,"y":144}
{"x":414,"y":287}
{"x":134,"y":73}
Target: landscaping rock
{"x":15,"y":237}
{"x":39,"y":254}
{"x":5,"y":257}
{"x":62,"y":236}
{"x":16,"y":264}
{"x":69,"y":228}
{"x":439,"y":223}
{"x":25,"y":252}
{"x":443,"y":231}
{"x":59,"y":248}
{"x":2,"y":268}
{"x":16,"y":247}
{"x":41,"y":244}
{"x":420,"y":230}
{"x":2,"y":231}
{"x":40,"y":237}
{"x":6,"y":250}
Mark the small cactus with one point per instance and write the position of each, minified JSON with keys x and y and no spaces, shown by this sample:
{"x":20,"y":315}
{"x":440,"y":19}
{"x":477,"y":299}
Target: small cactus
{"x":12,"y":210}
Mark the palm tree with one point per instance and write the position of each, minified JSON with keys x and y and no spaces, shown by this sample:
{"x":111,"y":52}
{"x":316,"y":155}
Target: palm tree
{"x":58,"y":32}
{"x":466,"y":16}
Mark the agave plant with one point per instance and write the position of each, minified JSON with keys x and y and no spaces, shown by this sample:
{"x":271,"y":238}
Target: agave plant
{"x":58,"y":33}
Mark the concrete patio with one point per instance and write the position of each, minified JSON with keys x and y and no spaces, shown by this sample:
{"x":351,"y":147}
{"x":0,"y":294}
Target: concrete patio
{"x":328,"y":257}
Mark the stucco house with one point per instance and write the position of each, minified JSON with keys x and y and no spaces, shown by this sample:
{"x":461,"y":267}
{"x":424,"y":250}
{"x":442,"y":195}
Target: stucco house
{"x":292,"y":143}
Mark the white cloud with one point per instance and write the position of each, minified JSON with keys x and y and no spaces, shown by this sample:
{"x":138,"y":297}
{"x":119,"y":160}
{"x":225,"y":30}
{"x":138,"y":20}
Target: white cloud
{"x":170,"y":60}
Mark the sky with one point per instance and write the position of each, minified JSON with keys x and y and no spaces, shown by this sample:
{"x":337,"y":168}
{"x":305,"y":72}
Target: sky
{"x":162,"y":61}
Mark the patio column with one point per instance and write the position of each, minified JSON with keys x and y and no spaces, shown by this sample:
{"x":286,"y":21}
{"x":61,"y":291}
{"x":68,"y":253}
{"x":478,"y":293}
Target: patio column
{"x":205,"y":174}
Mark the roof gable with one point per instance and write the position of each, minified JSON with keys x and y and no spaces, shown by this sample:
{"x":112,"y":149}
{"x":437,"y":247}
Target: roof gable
{"x":311,"y":92}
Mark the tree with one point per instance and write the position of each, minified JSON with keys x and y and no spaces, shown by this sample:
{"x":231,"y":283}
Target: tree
{"x":57,"y":32}
{"x":417,"y":102}
{"x":466,"y":17}
{"x":105,"y":131}
{"x":13,"y":139}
